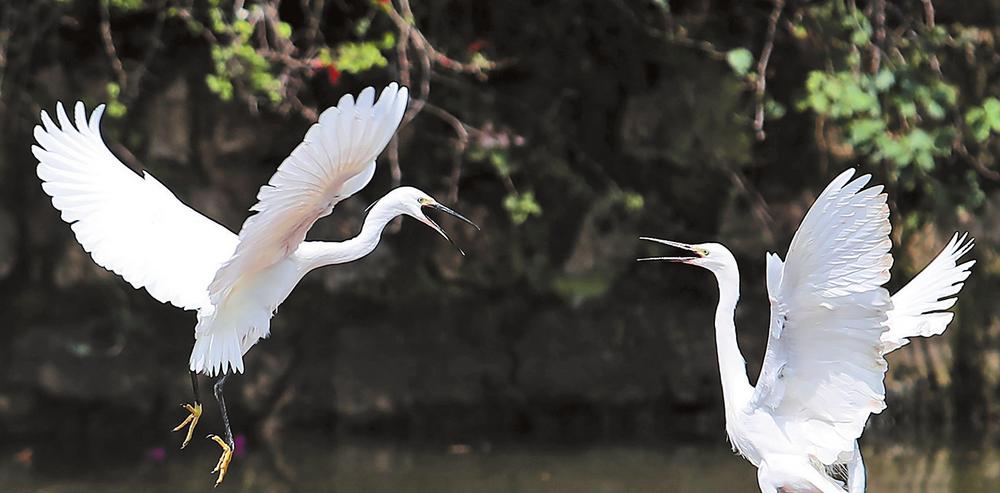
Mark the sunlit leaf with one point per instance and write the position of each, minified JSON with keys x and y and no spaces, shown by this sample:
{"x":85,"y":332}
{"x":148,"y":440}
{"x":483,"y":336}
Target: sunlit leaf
{"x":740,"y":59}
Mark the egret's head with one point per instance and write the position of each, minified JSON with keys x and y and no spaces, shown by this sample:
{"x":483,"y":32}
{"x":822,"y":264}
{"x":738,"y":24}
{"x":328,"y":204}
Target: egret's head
{"x":711,"y":256}
{"x":415,"y":203}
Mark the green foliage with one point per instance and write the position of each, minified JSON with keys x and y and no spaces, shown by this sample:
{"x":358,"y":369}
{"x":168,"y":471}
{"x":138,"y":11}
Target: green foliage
{"x":236,"y":62}
{"x":578,"y":289}
{"x":479,"y":60}
{"x":521,"y":206}
{"x":903,"y":112}
{"x":284,"y":30}
{"x":354,"y":58}
{"x":774,"y":109}
{"x":219,"y":85}
{"x":239,"y":61}
{"x":984,"y":120}
{"x":388,"y":41}
{"x":888,"y":121}
{"x":740,"y":59}
{"x":240,"y":66}
{"x":633,"y":201}
{"x":125,"y":5}
{"x":115,"y":107}
{"x":496,"y":157}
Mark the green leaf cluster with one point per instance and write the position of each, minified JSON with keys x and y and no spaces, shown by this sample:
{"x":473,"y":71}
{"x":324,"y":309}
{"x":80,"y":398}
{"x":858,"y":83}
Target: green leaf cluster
{"x":740,"y":60}
{"x":125,"y":5}
{"x":354,"y":58}
{"x":115,"y":109}
{"x":522,"y":206}
{"x":235,"y":60}
{"x":898,"y":114}
{"x":984,"y":120}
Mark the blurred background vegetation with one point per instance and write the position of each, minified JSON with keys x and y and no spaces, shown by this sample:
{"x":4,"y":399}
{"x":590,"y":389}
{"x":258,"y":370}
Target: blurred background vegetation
{"x":566,"y":129}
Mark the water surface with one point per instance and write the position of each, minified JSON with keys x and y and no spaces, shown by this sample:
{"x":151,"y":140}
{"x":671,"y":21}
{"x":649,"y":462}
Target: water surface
{"x":377,"y":468}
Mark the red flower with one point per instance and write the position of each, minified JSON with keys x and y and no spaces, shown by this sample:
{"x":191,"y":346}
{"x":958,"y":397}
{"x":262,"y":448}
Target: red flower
{"x":477,"y":46}
{"x":332,"y":74}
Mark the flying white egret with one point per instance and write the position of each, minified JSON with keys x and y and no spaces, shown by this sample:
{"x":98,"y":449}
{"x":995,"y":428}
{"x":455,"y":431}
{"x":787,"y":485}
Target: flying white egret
{"x":135,"y":227}
{"x":831,"y":324}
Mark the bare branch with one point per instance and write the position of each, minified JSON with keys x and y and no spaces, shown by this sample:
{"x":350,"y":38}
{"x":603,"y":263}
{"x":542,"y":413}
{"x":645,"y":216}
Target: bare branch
{"x":761,"y":211}
{"x":765,"y":56}
{"x":109,"y":45}
{"x":459,"y":146}
{"x":420,"y":43}
{"x":929,"y":13}
{"x":879,"y":21}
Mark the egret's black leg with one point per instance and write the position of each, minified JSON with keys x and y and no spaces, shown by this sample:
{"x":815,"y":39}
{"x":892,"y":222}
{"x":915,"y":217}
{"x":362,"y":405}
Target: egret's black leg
{"x":222,"y":408}
{"x":194,"y":387}
{"x":228,"y":445}
{"x":194,"y":412}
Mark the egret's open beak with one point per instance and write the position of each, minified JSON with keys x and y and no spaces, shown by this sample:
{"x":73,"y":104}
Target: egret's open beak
{"x":446,"y":210}
{"x":699,"y":253}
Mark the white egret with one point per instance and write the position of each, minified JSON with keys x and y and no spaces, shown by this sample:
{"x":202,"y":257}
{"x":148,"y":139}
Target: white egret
{"x":831,"y":324}
{"x":135,"y":227}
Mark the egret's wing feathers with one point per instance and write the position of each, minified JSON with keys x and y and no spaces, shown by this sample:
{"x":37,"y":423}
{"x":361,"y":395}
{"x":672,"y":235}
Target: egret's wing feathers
{"x":130,"y":224}
{"x":334,"y":161}
{"x":823,"y":370}
{"x":918,"y":309}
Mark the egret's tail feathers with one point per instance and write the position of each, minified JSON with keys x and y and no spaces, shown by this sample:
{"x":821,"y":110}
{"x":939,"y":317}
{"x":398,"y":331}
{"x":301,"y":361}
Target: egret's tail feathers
{"x":223,"y":336}
{"x":217,"y":354}
{"x":919,"y":307}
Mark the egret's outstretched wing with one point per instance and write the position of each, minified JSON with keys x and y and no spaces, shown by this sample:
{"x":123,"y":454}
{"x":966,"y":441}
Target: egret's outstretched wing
{"x":823,"y":370}
{"x":131,"y":225}
{"x":334,"y":161}
{"x":918,"y":309}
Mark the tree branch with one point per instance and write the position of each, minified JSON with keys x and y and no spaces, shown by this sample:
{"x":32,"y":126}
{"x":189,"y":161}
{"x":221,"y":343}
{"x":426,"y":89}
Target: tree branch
{"x":765,"y":57}
{"x":109,"y":45}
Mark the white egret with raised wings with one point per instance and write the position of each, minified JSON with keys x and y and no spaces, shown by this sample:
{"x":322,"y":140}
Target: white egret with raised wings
{"x":832,"y":322}
{"x":135,"y":227}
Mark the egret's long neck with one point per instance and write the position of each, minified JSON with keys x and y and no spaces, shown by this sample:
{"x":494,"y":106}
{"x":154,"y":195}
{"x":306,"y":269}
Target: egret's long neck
{"x":316,"y":254}
{"x":736,"y":389}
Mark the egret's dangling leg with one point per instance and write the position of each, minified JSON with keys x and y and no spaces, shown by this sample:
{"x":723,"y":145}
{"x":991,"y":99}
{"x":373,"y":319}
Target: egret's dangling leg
{"x":856,"y":472}
{"x":194,"y":411}
{"x":228,"y":446}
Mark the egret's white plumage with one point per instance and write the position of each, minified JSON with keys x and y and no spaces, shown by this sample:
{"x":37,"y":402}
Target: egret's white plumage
{"x":135,"y":227}
{"x":918,"y":309}
{"x":335,"y":160}
{"x":130,"y":224}
{"x":822,"y":373}
{"x":832,"y":322}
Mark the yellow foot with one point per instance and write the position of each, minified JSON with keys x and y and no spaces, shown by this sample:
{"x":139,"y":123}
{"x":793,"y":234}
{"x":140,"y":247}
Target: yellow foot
{"x":192,"y":419}
{"x":227,"y":455}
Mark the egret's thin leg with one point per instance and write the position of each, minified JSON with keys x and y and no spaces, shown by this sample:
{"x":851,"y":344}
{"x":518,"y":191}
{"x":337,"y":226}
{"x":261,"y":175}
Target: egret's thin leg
{"x":194,"y":412}
{"x":856,"y":472}
{"x":228,"y":445}
{"x":194,"y":387}
{"x":219,"y":384}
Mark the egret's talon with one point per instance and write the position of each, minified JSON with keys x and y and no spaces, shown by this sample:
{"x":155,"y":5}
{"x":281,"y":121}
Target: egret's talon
{"x":191,"y":419}
{"x":224,"y":459}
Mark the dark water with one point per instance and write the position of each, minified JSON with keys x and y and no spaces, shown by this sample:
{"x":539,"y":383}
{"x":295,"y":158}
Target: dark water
{"x":376,"y":468}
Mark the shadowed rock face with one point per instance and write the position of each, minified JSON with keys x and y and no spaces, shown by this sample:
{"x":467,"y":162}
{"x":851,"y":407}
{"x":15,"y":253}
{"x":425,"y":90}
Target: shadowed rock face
{"x":546,"y":329}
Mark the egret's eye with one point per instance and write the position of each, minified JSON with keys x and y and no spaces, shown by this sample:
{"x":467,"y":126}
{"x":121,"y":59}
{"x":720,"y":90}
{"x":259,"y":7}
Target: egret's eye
{"x":424,"y":201}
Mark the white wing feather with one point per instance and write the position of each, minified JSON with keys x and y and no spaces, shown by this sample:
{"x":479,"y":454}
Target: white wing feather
{"x":334,"y":161}
{"x":823,"y":370}
{"x":131,"y":225}
{"x":918,"y":309}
